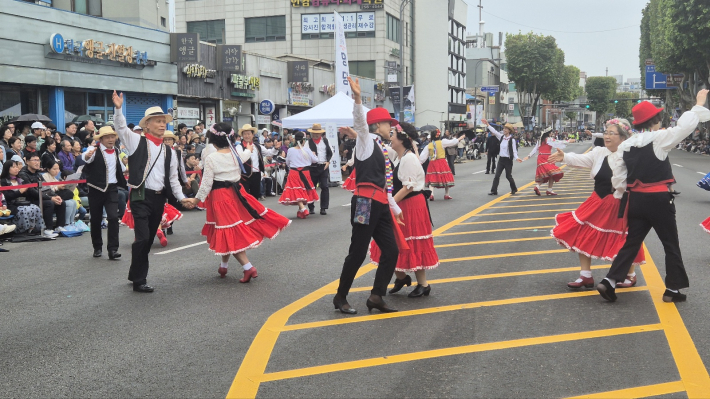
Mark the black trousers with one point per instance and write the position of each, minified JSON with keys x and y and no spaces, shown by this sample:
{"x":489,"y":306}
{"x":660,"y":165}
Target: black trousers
{"x":491,"y":163}
{"x":450,"y":159}
{"x":108,"y":201}
{"x":381,"y":230}
{"x":147,"y":215}
{"x":506,"y":164}
{"x":49,"y":208}
{"x":651,"y":211}
{"x":319,"y":177}
{"x":253,"y":185}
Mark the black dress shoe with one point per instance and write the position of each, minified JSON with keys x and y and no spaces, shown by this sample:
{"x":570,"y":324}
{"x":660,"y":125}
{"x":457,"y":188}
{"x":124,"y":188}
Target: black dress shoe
{"x":170,"y":230}
{"x":323,"y":212}
{"x":513,"y":192}
{"x":399,"y":284}
{"x":143,"y":288}
{"x":113,"y":255}
{"x":97,"y":253}
{"x":376,"y":302}
{"x":670,"y":296}
{"x":488,"y":173}
{"x":342,"y":305}
{"x":606,"y":290}
{"x":493,"y":193}
{"x":419,"y":291}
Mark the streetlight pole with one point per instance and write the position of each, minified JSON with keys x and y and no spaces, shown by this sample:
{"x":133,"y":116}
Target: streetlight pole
{"x":402,"y":5}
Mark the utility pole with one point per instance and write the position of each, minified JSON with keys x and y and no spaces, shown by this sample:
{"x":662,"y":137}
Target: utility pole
{"x":402,"y":5}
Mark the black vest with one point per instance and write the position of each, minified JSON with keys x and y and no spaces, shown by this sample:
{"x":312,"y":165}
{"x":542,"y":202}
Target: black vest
{"x":328,"y":152}
{"x":96,"y":172}
{"x":602,"y":180}
{"x":372,"y":170}
{"x":643,"y":165}
{"x":138,"y":166}
{"x":511,"y":143}
{"x":247,"y":164}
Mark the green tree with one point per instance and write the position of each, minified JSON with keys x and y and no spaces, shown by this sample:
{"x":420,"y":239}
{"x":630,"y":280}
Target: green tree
{"x":600,"y":91}
{"x":566,"y":87}
{"x":627,"y":100}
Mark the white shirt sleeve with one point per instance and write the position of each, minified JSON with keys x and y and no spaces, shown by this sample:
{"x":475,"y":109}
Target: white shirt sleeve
{"x":207,"y":180}
{"x":495,"y":132}
{"x":364,"y":144}
{"x":534,"y":150}
{"x":410,"y":173}
{"x":174,"y":182}
{"x":244,"y":154}
{"x":393,"y":205}
{"x":91,"y":158}
{"x":598,"y":135}
{"x":127,"y":137}
{"x":618,"y":179}
{"x":351,"y":161}
{"x":582,"y":160}
{"x":446,"y":143}
{"x":424,"y":155}
{"x":513,"y":142}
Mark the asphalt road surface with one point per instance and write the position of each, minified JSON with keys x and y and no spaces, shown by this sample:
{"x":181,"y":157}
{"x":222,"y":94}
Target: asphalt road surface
{"x":500,"y":321}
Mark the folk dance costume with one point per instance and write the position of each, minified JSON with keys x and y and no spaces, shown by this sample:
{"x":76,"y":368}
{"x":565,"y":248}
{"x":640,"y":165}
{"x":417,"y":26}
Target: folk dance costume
{"x":647,"y":173}
{"x":254,"y":165}
{"x":546,"y":172}
{"x":319,"y":171}
{"x":438,"y":174}
{"x":594,"y":229}
{"x":104,"y":174}
{"x":349,"y":183}
{"x":299,"y":189}
{"x":170,"y":215}
{"x":508,"y":153}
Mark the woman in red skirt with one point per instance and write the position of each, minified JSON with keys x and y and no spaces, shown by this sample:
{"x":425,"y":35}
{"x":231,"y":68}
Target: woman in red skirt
{"x":706,"y":225}
{"x":299,"y":188}
{"x":408,"y":185}
{"x":236,"y":221}
{"x":438,"y":173}
{"x":349,"y":183}
{"x":546,"y":172}
{"x":170,"y":215}
{"x":594,"y":230}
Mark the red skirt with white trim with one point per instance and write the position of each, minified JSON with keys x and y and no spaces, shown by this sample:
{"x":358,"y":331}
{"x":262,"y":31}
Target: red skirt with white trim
{"x":170,"y":215}
{"x":439,"y":175}
{"x":349,"y":183}
{"x":547,"y":171}
{"x":594,"y":229}
{"x":295,"y":192}
{"x":421,"y":254}
{"x":230,"y":228}
{"x":706,"y":225}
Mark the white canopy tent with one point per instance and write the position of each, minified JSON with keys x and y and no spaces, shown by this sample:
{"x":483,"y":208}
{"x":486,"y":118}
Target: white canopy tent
{"x":338,"y":109}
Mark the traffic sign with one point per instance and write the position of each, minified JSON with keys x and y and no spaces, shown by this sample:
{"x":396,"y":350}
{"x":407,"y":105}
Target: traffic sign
{"x":490,"y":89}
{"x":266,"y":107}
{"x":661,"y":81}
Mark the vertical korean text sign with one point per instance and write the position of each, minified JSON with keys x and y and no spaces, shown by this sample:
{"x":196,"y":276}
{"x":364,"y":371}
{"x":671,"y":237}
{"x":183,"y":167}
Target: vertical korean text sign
{"x":342,"y":70}
{"x":331,"y":133}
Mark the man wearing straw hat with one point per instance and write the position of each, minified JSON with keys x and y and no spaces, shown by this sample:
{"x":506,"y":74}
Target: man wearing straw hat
{"x":153,"y":178}
{"x":255,"y":165}
{"x":319,"y":171}
{"x":104,"y":174}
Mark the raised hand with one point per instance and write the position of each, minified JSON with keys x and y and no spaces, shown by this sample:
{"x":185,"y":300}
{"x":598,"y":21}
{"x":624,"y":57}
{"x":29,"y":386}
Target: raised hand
{"x":89,"y":154}
{"x":558,"y":156}
{"x":702,"y":97}
{"x":348,"y":131}
{"x":484,"y":121}
{"x":355,"y":86}
{"x":117,"y":100}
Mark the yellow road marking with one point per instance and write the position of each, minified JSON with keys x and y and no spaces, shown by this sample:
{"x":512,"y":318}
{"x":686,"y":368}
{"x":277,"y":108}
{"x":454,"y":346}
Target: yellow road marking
{"x":540,"y":199}
{"x":447,"y":308}
{"x":463,"y":244}
{"x":453,"y":351}
{"x":637,"y":392}
{"x":508,"y":255}
{"x":528,"y":212}
{"x":496,"y":230}
{"x":505,"y":221}
{"x":690,"y":366}
{"x":518,"y":206}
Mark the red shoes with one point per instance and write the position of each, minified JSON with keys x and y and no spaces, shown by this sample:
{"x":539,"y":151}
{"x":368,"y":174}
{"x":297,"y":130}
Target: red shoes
{"x":222,"y":271}
{"x":628,"y":285}
{"x":302,"y":213}
{"x":248,"y":275}
{"x":587,"y":282}
{"x":548,"y":192}
{"x":537,"y":191}
{"x":447,"y":197}
{"x":162,"y":238}
{"x":431,"y":197}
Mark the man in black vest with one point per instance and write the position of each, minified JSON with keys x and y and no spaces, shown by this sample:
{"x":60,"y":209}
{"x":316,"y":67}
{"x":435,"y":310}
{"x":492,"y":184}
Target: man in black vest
{"x":104,"y":174}
{"x":492,"y":150}
{"x":255,"y":165}
{"x":644,"y":172}
{"x":153,"y":177}
{"x":319,"y":171}
{"x":508,"y":153}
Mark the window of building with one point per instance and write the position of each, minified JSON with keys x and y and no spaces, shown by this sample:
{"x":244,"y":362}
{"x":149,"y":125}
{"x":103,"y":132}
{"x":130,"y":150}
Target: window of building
{"x":392,"y":28}
{"x":163,"y":22}
{"x":265,"y":29}
{"x":366,"y":69}
{"x":210,"y":31}
{"x":87,"y":7}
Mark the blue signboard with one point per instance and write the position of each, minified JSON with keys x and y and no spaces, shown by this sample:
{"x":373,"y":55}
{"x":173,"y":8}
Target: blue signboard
{"x":657,"y":80}
{"x":266,"y":107}
{"x":57,"y":43}
{"x":490,"y":89}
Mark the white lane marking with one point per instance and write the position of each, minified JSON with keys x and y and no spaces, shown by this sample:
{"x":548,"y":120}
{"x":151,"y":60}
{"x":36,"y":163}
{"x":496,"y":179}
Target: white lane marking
{"x":480,"y":171}
{"x":181,"y":248}
{"x":675,"y":164}
{"x":701,"y":173}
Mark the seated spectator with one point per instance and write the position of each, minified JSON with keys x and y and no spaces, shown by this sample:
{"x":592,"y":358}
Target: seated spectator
{"x":5,"y":134}
{"x":28,"y":217}
{"x":49,"y":153}
{"x":66,"y":157}
{"x":30,"y":147}
{"x":51,"y":203}
{"x":77,"y":150}
{"x":80,"y":210}
{"x":5,"y":228}
{"x":70,"y":206}
{"x":15,"y":150}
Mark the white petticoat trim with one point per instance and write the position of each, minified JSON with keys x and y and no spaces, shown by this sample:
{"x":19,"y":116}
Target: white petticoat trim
{"x":419,"y":237}
{"x":704,"y":228}
{"x":289,"y":201}
{"x":253,"y":245}
{"x":299,"y":188}
{"x":417,"y":268}
{"x":579,"y":251}
{"x":237,"y":223}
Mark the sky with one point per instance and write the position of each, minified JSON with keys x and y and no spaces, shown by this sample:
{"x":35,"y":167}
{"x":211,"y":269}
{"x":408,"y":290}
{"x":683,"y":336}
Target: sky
{"x":611,"y":29}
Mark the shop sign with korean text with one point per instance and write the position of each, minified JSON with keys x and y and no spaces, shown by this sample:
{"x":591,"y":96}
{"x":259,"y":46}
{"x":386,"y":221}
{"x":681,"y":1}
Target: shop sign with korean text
{"x":244,"y":82}
{"x":331,"y":133}
{"x":364,"y":4}
{"x":299,"y":99}
{"x":198,"y":71}
{"x":97,"y":52}
{"x":325,"y":23}
{"x":185,"y":47}
{"x":230,"y":58}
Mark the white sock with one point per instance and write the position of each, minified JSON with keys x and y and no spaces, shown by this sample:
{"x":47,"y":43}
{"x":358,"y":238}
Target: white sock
{"x":612,"y":282}
{"x":631,"y":274}
{"x":586,"y":273}
{"x":224,"y":264}
{"x":537,"y":186}
{"x":247,"y":266}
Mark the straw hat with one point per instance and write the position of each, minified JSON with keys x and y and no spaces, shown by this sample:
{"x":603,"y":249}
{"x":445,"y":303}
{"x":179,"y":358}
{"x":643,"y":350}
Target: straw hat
{"x":247,"y":127}
{"x":316,"y":129}
{"x":104,"y":131}
{"x":169,"y":135}
{"x":153,"y":112}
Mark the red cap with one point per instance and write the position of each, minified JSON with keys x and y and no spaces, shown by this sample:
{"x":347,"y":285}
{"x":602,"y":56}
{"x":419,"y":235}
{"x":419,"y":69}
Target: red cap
{"x":644,"y":111}
{"x":380,"y":114}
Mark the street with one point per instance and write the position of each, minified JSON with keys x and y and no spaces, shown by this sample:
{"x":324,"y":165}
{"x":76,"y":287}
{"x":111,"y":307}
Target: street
{"x":500,"y":321}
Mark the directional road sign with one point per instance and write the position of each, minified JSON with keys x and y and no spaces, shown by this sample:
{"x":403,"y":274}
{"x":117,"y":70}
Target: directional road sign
{"x":490,"y":89}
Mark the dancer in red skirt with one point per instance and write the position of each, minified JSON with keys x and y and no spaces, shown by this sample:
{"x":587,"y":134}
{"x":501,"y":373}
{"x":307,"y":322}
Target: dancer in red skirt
{"x":546,"y":172}
{"x":236,"y":221}
{"x":438,"y":174}
{"x":349,"y":183}
{"x":706,"y":225}
{"x":170,"y":215}
{"x":407,"y":187}
{"x":595,"y":230}
{"x":299,"y":188}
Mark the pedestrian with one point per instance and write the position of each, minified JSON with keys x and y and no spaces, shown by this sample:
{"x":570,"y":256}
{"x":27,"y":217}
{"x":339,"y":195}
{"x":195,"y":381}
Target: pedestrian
{"x":646,"y":172}
{"x":438,"y":173}
{"x":255,"y":164}
{"x":373,"y":211}
{"x":492,"y":150}
{"x":508,"y":153}
{"x":153,"y":177}
{"x":236,"y":221}
{"x":319,"y":170}
{"x":104,"y":175}
{"x":546,"y":172}
{"x":594,"y":229}
{"x":408,"y":180}
{"x":299,"y":189}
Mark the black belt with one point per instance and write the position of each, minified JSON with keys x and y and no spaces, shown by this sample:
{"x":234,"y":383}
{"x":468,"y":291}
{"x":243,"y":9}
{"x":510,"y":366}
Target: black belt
{"x":219,"y":184}
{"x":156,"y":192}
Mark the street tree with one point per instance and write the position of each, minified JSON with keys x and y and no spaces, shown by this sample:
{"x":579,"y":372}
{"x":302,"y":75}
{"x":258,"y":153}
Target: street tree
{"x":626,"y":101}
{"x":566,"y":86}
{"x":600,"y":91}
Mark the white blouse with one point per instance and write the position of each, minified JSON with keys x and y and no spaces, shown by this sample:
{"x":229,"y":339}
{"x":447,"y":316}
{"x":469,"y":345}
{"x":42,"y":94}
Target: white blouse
{"x":299,"y":157}
{"x":593,"y":160}
{"x":219,"y":166}
{"x":410,"y":172}
{"x":446,"y":143}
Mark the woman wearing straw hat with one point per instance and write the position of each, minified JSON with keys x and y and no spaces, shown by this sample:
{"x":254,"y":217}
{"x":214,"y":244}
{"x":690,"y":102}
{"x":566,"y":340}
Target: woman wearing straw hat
{"x":153,"y":177}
